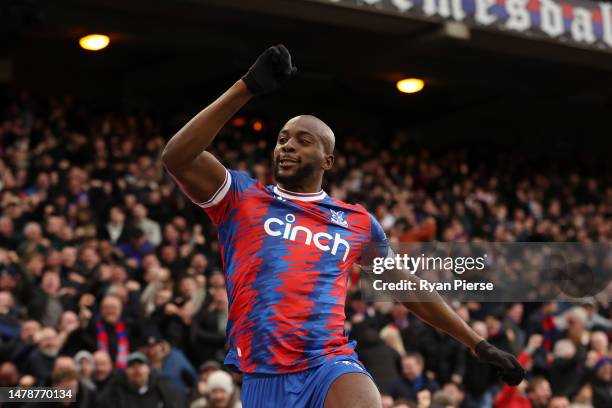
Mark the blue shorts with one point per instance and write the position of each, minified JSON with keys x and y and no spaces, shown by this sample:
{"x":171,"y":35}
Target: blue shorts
{"x":304,"y":389}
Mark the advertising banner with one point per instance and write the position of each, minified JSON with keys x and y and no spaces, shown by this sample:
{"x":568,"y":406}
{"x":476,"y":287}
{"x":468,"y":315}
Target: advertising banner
{"x":587,"y":24}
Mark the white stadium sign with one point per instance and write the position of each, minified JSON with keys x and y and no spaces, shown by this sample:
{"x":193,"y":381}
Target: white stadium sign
{"x":581,"y":23}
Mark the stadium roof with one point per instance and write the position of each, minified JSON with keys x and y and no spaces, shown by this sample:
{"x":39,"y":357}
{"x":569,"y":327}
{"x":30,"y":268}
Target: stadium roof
{"x":173,"y":52}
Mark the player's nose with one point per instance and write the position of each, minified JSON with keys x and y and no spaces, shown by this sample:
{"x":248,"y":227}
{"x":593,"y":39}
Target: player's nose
{"x":289,"y":146}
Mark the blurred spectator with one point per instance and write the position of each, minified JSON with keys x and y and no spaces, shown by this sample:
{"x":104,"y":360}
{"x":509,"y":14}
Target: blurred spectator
{"x":566,"y":371}
{"x":109,"y":332}
{"x":381,"y":359}
{"x":103,"y":370}
{"x":67,"y":378}
{"x":220,"y":392}
{"x":168,"y":360}
{"x":85,"y":366}
{"x":412,"y":380}
{"x":139,"y":386}
{"x":9,"y":375}
{"x":115,"y":228}
{"x":47,"y":303}
{"x":602,"y":384}
{"x":135,"y":248}
{"x":19,"y":348}
{"x":539,"y":392}
{"x":40,"y":361}
{"x":150,"y":228}
{"x":558,"y":401}
{"x":208,"y":328}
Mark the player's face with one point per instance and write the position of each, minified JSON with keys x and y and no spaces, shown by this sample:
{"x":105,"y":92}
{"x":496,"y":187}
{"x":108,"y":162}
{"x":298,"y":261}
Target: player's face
{"x":296,"y":156}
{"x":299,"y":153}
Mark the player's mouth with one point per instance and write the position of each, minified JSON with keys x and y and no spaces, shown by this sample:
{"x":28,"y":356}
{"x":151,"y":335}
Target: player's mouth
{"x":287,"y":162}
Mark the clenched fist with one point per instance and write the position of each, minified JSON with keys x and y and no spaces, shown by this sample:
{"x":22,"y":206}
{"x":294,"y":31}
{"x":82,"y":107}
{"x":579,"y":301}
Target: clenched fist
{"x":270,"y":70}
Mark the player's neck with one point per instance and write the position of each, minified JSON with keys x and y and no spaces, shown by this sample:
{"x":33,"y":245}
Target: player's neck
{"x":306,"y":188}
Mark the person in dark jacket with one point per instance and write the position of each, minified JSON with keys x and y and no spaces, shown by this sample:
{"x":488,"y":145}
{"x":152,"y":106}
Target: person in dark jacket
{"x":19,"y":348}
{"x":412,"y":380}
{"x":170,"y":361}
{"x":140,"y":387}
{"x":602,"y":384}
{"x":109,"y":332}
{"x":103,"y":370}
{"x":381,"y":360}
{"x":208,"y":329}
{"x":40,"y":361}
{"x":67,"y":378}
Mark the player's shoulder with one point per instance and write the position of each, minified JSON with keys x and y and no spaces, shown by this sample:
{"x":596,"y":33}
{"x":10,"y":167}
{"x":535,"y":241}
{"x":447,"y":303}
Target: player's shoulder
{"x":241,"y":179}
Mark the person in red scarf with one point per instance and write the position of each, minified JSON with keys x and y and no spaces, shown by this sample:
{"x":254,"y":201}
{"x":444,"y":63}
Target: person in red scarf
{"x":108,"y":332}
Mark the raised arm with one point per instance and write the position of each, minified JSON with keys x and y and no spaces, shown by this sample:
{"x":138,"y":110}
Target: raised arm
{"x":198,"y":172}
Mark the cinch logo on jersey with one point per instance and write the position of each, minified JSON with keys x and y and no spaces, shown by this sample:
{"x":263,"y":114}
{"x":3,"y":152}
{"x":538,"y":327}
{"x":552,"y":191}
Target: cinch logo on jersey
{"x":274,"y":228}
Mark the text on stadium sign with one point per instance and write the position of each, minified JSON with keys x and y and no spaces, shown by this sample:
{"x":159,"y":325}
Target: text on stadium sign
{"x":579,"y":22}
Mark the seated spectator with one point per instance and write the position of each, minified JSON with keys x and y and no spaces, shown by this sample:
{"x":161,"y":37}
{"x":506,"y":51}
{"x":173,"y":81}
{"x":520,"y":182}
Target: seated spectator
{"x":168,"y":360}
{"x":380,"y":359}
{"x":85,"y":366}
{"x":107,"y":332}
{"x":48,"y":302}
{"x":139,"y":386}
{"x":412,"y":379}
{"x":19,"y":348}
{"x":9,"y":376}
{"x":150,"y":228}
{"x":566,"y":371}
{"x":539,"y":392}
{"x":220,"y":392}
{"x":558,"y":401}
{"x":67,"y":378}
{"x":9,"y":321}
{"x":602,"y":383}
{"x":34,"y":241}
{"x":387,"y":400}
{"x":208,"y":328}
{"x":8,"y":238}
{"x":115,"y":228}
{"x":584,"y":397}
{"x":136,"y":248}
{"x":103,"y":370}
{"x":40,"y":361}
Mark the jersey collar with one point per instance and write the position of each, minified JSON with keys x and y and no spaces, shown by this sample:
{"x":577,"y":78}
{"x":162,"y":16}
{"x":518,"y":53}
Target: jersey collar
{"x":279,"y":191}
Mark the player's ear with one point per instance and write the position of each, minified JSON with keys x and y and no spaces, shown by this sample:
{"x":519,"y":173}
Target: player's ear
{"x":328,"y":162}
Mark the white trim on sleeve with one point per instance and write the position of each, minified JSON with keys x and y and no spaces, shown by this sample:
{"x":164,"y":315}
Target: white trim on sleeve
{"x":220,"y":193}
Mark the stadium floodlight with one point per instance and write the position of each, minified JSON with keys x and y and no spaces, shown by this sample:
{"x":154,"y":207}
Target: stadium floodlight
{"x":94,"y":42}
{"x":410,"y":85}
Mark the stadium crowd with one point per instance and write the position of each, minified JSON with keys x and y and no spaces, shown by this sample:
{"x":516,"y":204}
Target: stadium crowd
{"x":111,"y":284}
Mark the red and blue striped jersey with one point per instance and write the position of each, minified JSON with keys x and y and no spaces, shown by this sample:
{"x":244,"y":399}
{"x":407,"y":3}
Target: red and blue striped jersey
{"x":286,"y":259}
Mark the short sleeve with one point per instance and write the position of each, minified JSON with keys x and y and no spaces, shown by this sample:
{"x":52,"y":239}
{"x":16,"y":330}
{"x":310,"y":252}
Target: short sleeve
{"x":227,"y":196}
{"x":377,"y":233}
{"x":378,"y":241}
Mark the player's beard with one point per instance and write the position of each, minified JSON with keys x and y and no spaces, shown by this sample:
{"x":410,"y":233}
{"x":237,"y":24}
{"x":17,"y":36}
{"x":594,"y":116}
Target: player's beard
{"x":302,"y":172}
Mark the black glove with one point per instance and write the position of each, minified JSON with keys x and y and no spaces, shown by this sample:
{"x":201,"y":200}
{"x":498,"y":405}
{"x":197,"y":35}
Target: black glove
{"x":270,"y":69}
{"x":509,"y":369}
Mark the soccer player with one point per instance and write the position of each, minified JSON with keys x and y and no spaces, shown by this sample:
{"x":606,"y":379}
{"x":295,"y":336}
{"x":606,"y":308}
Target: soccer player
{"x":287,"y":250}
